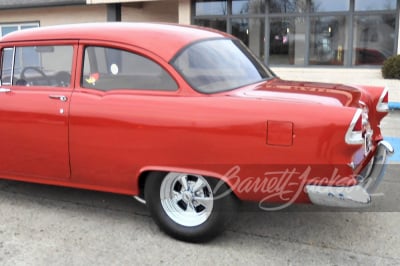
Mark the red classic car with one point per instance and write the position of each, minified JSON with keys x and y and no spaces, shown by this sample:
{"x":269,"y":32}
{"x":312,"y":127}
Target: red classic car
{"x":185,"y":119}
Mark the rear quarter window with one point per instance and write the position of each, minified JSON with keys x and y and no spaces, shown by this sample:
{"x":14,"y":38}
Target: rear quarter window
{"x":111,"y":69}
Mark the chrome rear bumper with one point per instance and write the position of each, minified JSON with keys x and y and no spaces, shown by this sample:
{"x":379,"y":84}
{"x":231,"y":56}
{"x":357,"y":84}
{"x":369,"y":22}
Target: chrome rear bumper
{"x":358,"y":195}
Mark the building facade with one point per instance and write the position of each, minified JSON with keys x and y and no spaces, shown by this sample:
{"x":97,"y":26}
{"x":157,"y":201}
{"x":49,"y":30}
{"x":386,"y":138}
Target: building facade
{"x":344,"y":33}
{"x":304,"y":39}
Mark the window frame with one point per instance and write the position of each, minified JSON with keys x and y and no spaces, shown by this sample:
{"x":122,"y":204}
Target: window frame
{"x":14,"y":46}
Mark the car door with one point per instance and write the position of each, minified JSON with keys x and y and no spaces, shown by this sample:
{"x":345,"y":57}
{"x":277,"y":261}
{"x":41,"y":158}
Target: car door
{"x":35,"y":93}
{"x":112,"y":108}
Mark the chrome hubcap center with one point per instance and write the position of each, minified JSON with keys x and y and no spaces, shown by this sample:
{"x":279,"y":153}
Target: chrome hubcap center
{"x":187,"y":196}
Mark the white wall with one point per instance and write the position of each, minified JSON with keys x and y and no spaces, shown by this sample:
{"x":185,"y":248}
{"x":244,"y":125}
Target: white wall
{"x":184,"y":10}
{"x":55,"y":15}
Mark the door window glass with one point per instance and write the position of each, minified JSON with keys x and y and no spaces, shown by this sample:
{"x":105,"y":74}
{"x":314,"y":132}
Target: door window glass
{"x":109,"y":69}
{"x":43,"y":66}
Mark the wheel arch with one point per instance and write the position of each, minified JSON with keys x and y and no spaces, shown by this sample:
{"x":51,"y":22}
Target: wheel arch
{"x":146,"y":171}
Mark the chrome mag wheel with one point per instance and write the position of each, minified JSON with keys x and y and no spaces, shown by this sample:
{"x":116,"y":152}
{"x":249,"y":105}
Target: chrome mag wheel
{"x":189,"y":207}
{"x":186,"y":199}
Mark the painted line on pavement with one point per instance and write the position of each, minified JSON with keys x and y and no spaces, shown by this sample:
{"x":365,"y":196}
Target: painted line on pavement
{"x":395,"y":141}
{"x":394,"y":105}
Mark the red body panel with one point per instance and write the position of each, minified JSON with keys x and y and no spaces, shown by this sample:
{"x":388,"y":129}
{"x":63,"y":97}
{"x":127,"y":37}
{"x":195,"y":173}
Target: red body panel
{"x":106,"y":140}
{"x":34,"y":134}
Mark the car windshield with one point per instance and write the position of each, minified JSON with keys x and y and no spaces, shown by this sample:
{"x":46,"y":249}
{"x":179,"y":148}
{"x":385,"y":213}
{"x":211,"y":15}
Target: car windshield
{"x":219,"y":65}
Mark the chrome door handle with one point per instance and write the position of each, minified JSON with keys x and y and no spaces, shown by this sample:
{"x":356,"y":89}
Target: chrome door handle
{"x":5,"y":90}
{"x":59,"y":97}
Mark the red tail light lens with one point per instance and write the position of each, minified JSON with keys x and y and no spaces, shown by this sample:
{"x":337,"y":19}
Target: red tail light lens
{"x":386,"y":97}
{"x":358,"y":125}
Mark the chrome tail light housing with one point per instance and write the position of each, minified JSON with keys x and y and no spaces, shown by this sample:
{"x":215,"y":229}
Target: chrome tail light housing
{"x":354,"y":134}
{"x":383,"y":102}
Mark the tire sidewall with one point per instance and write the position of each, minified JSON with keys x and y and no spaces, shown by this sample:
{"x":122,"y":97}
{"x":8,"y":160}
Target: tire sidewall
{"x":223,"y":208}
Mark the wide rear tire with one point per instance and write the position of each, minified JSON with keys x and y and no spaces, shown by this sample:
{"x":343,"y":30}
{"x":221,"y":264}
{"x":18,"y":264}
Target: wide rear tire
{"x":189,"y":207}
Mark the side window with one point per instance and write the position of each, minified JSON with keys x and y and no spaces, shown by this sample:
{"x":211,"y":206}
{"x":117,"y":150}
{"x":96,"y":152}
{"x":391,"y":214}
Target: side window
{"x":109,"y":69}
{"x":42,"y":66}
{"x":6,"y":66}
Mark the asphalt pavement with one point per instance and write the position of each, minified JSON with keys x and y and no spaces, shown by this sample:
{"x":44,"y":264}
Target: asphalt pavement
{"x":45,"y":225}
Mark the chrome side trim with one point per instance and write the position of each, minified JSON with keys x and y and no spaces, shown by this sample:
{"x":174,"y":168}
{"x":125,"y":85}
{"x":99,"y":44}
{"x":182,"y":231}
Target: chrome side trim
{"x":139,"y":199}
{"x":5,"y":90}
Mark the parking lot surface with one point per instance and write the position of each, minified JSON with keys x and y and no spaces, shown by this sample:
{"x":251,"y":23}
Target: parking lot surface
{"x":45,"y":225}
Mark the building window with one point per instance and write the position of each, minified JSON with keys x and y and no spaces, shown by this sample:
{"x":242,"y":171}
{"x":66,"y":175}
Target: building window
{"x":374,"y":38}
{"x":217,"y":23}
{"x":328,"y":40}
{"x":287,"y":6}
{"x":371,"y":5}
{"x":240,"y":7}
{"x":8,"y":28}
{"x":207,"y":7}
{"x":307,"y":32}
{"x":252,"y":32}
{"x":287,"y":41}
{"x":329,"y":5}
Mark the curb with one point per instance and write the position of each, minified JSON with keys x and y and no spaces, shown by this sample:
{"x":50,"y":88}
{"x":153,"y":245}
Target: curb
{"x":394,"y":105}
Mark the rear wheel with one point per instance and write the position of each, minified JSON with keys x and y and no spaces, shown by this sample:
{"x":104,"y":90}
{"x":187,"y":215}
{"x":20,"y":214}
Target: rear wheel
{"x":189,"y":207}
